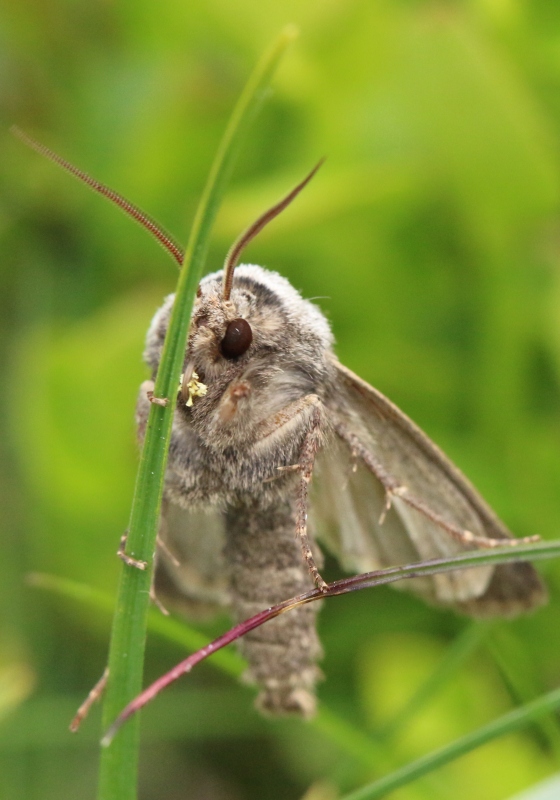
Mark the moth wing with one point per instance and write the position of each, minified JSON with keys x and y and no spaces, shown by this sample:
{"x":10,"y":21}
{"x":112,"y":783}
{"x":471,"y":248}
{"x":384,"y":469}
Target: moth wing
{"x":433,"y":508}
{"x":190,"y":565}
{"x":346,"y":505}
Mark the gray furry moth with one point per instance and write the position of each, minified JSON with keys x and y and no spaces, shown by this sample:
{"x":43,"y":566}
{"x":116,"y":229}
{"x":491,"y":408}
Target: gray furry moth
{"x":274,"y":443}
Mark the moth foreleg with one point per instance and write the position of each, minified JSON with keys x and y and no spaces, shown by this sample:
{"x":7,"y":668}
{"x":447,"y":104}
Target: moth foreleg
{"x":147,"y":392}
{"x":130,"y":561}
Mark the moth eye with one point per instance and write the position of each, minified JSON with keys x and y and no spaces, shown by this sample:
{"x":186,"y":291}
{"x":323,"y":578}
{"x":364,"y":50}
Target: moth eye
{"x":237,"y":338}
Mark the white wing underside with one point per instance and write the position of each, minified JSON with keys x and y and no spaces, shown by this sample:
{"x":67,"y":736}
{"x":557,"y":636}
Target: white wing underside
{"x":379,"y":453}
{"x":190,"y":551}
{"x":349,"y":514}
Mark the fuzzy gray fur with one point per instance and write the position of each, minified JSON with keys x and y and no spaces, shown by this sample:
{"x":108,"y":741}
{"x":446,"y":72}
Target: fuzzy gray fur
{"x":226,"y":450}
{"x":244,"y":454}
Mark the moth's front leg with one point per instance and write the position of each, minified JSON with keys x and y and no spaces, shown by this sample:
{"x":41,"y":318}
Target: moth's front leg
{"x":305,"y":416}
{"x":143,"y":408}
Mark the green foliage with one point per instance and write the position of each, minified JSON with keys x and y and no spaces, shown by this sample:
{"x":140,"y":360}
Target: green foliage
{"x":431,"y":239}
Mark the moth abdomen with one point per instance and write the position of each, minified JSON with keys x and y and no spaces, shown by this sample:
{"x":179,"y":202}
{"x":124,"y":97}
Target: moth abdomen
{"x":265,"y":566}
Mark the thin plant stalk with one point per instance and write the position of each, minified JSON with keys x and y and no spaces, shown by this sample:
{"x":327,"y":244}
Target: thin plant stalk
{"x":348,"y":738}
{"x":119,"y":762}
{"x":534,"y":551}
{"x":508,"y":723}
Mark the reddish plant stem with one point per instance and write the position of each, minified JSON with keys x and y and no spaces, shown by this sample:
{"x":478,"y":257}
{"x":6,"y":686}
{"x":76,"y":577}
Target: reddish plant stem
{"x":363,"y":581}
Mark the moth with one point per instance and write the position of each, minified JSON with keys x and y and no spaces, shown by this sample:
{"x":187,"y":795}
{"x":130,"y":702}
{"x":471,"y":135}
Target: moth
{"x":276,"y":443}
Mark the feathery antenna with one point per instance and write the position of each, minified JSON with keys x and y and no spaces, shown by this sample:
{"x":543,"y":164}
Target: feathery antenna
{"x":143,"y":219}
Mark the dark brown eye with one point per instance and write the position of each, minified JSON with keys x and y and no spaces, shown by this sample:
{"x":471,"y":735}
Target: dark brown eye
{"x":237,"y":339}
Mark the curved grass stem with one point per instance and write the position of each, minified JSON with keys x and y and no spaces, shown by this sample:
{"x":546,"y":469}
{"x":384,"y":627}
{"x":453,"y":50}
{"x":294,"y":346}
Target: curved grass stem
{"x":119,"y":762}
{"x":508,"y":723}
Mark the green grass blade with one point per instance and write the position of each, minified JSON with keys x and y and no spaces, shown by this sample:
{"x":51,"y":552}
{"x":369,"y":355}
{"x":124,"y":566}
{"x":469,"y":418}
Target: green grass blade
{"x":456,"y":654}
{"x":169,"y":628}
{"x":508,"y":723}
{"x":516,"y":664}
{"x":119,"y":762}
{"x":350,"y":739}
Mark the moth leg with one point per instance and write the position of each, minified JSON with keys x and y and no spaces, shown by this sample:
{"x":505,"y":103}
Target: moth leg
{"x":92,"y":698}
{"x":157,"y":401}
{"x":156,"y":601}
{"x":282,"y":471}
{"x":393,"y":488}
{"x":389,"y":494}
{"x":138,"y":564}
{"x":130,"y":561}
{"x":309,"y":407}
{"x":162,"y":545}
{"x":309,"y":449}
{"x":147,"y":388}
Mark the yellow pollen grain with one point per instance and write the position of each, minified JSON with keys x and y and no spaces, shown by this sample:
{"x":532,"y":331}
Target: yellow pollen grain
{"x":195,"y":389}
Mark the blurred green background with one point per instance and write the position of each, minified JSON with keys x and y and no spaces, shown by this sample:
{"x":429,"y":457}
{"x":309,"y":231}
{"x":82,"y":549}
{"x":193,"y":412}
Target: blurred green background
{"x":431,"y":237}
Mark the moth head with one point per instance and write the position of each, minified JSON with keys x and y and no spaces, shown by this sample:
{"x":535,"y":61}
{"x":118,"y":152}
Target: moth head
{"x":231,"y":320}
{"x":220,"y":332}
{"x":264,"y":321}
{"x":235,"y":319}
